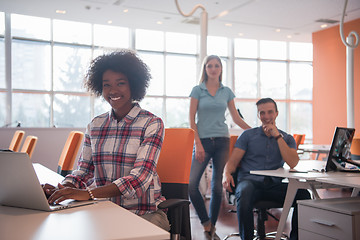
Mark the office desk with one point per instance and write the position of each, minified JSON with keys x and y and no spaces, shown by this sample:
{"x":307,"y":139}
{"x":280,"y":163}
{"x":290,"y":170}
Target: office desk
{"x":314,"y":148}
{"x":302,"y":180}
{"x":353,"y":182}
{"x":103,"y":220}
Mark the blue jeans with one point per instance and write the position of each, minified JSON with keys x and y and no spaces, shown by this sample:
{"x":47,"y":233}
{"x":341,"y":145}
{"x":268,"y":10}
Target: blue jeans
{"x":249,"y":191}
{"x":216,"y":149}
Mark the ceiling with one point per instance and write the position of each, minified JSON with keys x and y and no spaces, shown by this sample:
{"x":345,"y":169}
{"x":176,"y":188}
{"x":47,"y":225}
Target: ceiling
{"x":283,"y":20}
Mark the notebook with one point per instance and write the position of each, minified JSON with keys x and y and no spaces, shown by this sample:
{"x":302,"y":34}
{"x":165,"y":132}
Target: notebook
{"x":20,"y":186}
{"x":339,"y":158}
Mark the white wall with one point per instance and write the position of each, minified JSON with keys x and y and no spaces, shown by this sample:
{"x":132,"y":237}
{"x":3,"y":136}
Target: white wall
{"x":49,"y":145}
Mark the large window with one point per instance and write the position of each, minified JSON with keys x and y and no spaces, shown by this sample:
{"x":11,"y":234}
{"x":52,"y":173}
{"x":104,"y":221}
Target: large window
{"x":50,"y":58}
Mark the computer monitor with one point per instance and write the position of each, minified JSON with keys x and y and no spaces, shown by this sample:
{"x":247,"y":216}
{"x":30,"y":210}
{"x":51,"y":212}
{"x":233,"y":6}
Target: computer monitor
{"x":340,"y":154}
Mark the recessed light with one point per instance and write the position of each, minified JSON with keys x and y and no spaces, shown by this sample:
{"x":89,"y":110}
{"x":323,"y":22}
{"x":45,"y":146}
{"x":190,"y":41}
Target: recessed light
{"x":228,"y":24}
{"x":240,"y":34}
{"x":159,"y":22}
{"x":289,"y":36}
{"x":223,"y":13}
{"x":125,"y":10}
{"x":277,"y":30}
{"x":110,"y":22}
{"x":61,"y":11}
{"x":323,"y":25}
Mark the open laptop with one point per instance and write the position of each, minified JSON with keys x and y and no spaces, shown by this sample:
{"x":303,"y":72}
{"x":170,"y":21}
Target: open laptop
{"x":20,"y":186}
{"x":339,"y":158}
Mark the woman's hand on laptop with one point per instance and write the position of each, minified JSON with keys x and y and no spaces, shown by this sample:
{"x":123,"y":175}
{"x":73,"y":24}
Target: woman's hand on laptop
{"x":62,"y":193}
{"x":48,"y":189}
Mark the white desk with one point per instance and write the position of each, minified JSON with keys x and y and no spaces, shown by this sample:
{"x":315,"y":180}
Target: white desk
{"x":100,"y":221}
{"x":301,"y":180}
{"x":314,"y":148}
{"x":353,"y":182}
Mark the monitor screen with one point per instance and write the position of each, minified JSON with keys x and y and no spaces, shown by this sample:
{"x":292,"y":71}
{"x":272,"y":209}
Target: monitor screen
{"x":340,"y":153}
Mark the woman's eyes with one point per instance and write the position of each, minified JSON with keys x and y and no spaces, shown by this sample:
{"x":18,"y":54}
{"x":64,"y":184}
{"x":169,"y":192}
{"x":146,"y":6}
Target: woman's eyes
{"x":211,"y":66}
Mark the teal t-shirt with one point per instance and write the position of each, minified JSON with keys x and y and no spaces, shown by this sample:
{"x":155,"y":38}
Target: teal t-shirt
{"x":211,"y":110}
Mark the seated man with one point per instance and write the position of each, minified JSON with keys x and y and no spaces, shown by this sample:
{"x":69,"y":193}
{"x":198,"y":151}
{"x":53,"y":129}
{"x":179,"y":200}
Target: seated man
{"x":261,"y":148}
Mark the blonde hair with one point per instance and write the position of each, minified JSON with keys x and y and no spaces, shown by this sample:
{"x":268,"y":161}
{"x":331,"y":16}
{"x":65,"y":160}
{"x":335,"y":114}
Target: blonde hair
{"x":203,"y":74}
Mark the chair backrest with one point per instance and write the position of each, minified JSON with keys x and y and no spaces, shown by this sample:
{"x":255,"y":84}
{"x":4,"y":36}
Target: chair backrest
{"x":29,"y":145}
{"x":173,"y":168}
{"x":233,"y":139}
{"x":299,"y":139}
{"x":175,"y":157}
{"x":355,"y":149}
{"x":69,"y":152}
{"x":16,"y":140}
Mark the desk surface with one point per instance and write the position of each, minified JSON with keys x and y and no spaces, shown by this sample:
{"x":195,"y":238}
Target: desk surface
{"x":314,"y":147}
{"x":103,"y":220}
{"x":354,"y":181}
{"x":306,"y":169}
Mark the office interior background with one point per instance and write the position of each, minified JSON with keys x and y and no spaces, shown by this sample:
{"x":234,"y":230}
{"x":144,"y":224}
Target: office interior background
{"x":43,"y":59}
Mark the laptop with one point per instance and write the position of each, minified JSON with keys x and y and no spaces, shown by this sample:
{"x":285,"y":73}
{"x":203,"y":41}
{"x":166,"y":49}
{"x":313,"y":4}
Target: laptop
{"x":20,"y":186}
{"x":339,"y":158}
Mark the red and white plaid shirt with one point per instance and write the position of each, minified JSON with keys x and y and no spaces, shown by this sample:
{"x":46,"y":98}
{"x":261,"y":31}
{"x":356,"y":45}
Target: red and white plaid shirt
{"x":124,"y":153}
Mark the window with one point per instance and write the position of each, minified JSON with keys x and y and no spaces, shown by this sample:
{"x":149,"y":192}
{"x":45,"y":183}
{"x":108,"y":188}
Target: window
{"x":2,"y":63}
{"x":31,"y":65}
{"x":180,"y":75}
{"x":301,"y":51}
{"x":180,"y":42}
{"x":70,"y":65}
{"x":71,"y":110}
{"x":47,"y":74}
{"x":111,"y":36}
{"x":273,"y":79}
{"x":155,"y":62}
{"x":272,"y":50}
{"x":30,"y":27}
{"x":245,"y":48}
{"x":31,"y":110}
{"x":149,"y":40}
{"x":72,"y":32}
{"x":246,"y":79}
{"x":301,"y":81}
{"x":217,"y":46}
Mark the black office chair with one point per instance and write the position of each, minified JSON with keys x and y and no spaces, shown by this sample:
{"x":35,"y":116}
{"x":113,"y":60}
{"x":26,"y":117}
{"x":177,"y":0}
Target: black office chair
{"x":261,"y":209}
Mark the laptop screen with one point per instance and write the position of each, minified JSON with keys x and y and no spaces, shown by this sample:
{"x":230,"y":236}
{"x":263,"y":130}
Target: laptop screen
{"x":340,"y":149}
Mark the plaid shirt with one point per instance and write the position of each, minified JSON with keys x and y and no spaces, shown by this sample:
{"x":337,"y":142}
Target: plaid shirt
{"x":124,"y":153}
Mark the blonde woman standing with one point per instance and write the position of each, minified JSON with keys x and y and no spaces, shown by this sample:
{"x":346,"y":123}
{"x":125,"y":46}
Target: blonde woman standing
{"x":209,"y":101}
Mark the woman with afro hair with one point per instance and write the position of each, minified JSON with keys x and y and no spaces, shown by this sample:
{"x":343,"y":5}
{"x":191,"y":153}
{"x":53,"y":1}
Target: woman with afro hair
{"x":122,"y":146}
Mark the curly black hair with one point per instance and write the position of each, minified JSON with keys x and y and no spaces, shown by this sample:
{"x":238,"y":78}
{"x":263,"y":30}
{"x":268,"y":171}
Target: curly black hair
{"x":123,"y":61}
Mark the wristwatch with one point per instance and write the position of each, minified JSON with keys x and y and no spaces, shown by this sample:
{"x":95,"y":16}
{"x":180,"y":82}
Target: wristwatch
{"x":278,"y":136}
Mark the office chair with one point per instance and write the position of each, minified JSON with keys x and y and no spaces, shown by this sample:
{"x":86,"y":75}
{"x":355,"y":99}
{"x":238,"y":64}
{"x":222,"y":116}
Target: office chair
{"x":174,"y":171}
{"x":355,"y":149}
{"x":69,"y":153}
{"x":16,"y":140}
{"x":29,"y":145}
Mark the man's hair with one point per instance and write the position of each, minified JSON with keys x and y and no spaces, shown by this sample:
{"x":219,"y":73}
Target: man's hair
{"x":267,"y":100}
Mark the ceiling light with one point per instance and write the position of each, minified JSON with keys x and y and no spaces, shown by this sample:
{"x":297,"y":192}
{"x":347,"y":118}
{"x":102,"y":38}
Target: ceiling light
{"x":289,"y":36}
{"x":109,"y":22}
{"x":277,"y":30}
{"x":240,"y":34}
{"x":323,"y":25}
{"x":228,"y":24}
{"x":125,"y":10}
{"x":60,"y":11}
{"x":159,"y":22}
{"x":223,"y":13}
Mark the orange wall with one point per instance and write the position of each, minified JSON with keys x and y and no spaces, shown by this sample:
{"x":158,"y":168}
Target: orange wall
{"x":329,"y":91}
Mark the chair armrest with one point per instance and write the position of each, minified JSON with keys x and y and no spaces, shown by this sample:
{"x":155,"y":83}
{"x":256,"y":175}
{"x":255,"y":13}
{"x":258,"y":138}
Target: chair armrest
{"x":173,"y":203}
